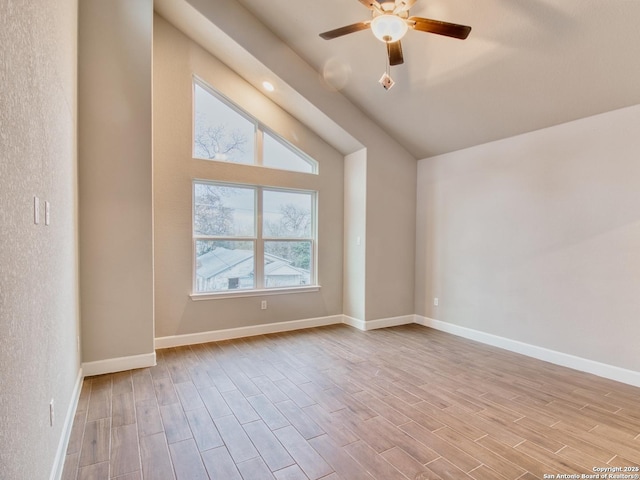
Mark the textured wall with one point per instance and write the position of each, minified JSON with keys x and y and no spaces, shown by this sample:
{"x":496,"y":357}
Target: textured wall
{"x":115,"y":175}
{"x":355,"y":234}
{"x":536,"y":238}
{"x":38,"y":281}
{"x":176,"y":59}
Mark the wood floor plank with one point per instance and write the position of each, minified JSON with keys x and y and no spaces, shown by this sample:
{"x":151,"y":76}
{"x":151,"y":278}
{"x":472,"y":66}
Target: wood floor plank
{"x":270,"y":390}
{"x":343,"y":463}
{"x":175,"y":423}
{"x":154,"y":455}
{"x":268,"y":412}
{"x":148,"y":417}
{"x":240,"y":407}
{"x":340,"y":435}
{"x":442,"y":447}
{"x":125,"y":453}
{"x":70,"y":467}
{"x":308,"y":459}
{"x":451,"y":421}
{"x":186,"y":461}
{"x":514,"y":456}
{"x":447,"y":470}
{"x":554,"y":461}
{"x":337,"y":404}
{"x":271,"y":450}
{"x":381,"y":408}
{"x":485,"y":473}
{"x":97,"y":471}
{"x":291,"y":473}
{"x":204,"y":431}
{"x":255,"y":469}
{"x":95,"y":442}
{"x":487,"y":457}
{"x":99,"y":401}
{"x":299,"y":419}
{"x":77,"y":431}
{"x":165,"y":391}
{"x":372,"y":462}
{"x":123,"y":409}
{"x":220,"y":379}
{"x":404,"y":462}
{"x":627,"y":449}
{"x":213,"y":401}
{"x":189,"y":396}
{"x":219,"y":464}
{"x":586,"y":448}
{"x":243,"y":383}
{"x":235,"y":438}
{"x":580,"y":458}
{"x":294,"y":393}
{"x":143,"y":386}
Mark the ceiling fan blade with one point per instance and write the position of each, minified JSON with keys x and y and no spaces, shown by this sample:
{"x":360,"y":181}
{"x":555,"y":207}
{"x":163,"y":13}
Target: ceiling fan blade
{"x":338,"y":32}
{"x":440,"y":28}
{"x":394,"y":50}
{"x":403,"y":5}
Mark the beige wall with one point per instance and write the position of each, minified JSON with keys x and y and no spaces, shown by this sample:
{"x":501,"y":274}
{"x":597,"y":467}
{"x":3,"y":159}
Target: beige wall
{"x":536,"y":238}
{"x":39,"y":325}
{"x":390,"y":169}
{"x":391,"y":216}
{"x":355,"y":234}
{"x":176,"y":59}
{"x":115,"y":178}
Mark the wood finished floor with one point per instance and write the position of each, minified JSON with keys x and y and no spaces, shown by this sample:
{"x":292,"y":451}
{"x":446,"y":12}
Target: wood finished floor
{"x":336,"y":403}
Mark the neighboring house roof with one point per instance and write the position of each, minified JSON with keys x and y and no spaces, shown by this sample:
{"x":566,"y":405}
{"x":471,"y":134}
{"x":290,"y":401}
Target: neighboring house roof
{"x":221,"y":259}
{"x":282,"y":268}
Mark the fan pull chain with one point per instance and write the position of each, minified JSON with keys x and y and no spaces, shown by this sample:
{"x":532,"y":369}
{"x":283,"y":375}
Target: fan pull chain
{"x":386,"y":81}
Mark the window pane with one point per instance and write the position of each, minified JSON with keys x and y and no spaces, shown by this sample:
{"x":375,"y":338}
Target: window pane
{"x":287,"y":214}
{"x":277,"y":155}
{"x":221,"y":133}
{"x":287,"y":264}
{"x":224,"y":265}
{"x":224,"y":211}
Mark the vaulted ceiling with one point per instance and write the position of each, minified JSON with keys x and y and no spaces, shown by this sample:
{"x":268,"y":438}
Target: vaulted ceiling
{"x":527,"y":64}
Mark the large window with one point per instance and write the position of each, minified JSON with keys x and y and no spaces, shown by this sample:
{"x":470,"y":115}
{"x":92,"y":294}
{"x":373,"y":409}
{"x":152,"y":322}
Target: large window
{"x":250,"y":237}
{"x":224,"y":132}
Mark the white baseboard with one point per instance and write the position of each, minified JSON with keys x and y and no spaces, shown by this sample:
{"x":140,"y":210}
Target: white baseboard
{"x":61,"y":452}
{"x":120,"y":364}
{"x":378,"y":323}
{"x":354,"y":322}
{"x":552,"y":356}
{"x":230,"y":333}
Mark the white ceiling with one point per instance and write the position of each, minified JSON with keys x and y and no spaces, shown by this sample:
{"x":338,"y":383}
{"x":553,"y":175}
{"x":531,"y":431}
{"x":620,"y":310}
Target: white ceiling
{"x":527,"y":64}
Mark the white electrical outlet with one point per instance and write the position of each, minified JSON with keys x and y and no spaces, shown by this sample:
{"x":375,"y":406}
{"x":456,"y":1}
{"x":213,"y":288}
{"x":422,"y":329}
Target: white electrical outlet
{"x":435,"y":301}
{"x":263,"y":305}
{"x":51,"y":413}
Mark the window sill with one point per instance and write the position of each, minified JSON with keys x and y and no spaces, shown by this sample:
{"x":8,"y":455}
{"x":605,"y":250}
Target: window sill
{"x":196,"y":297}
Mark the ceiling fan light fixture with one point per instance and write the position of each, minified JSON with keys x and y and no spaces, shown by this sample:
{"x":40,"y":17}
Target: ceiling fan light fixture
{"x":389,"y":28}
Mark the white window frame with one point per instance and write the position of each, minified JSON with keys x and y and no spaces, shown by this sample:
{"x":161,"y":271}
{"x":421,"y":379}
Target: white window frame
{"x":258,"y":240}
{"x":259,"y":130}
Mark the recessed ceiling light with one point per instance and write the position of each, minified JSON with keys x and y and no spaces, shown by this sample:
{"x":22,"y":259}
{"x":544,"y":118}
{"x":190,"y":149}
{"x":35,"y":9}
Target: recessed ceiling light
{"x":268,"y":86}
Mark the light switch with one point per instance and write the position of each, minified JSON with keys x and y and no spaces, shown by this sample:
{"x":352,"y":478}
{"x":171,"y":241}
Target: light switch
{"x":47,"y":212}
{"x":36,"y":210}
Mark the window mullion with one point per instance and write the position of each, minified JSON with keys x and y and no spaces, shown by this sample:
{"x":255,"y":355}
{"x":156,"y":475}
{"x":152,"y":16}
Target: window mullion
{"x":259,"y":257}
{"x":259,"y":142}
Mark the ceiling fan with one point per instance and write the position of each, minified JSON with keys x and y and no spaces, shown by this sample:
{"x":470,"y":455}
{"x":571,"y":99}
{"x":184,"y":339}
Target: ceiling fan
{"x":390,"y":21}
